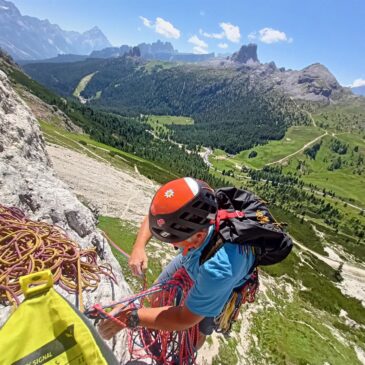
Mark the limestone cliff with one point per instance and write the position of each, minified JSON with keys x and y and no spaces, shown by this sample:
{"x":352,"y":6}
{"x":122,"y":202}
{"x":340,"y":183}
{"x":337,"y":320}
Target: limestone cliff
{"x":27,"y":181}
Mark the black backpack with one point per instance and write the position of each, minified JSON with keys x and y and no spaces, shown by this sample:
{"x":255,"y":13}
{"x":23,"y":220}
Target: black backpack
{"x":243,"y":218}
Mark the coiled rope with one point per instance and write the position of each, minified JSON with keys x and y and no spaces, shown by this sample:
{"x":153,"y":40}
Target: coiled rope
{"x":163,"y":347}
{"x":27,"y":246}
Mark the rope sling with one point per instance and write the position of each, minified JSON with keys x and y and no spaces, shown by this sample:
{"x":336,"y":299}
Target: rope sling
{"x":163,"y":347}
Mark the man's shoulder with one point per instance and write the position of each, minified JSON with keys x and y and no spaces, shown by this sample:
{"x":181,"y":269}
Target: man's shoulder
{"x":230,"y":260}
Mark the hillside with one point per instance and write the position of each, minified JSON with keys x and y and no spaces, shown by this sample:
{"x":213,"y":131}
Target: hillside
{"x":219,"y":99}
{"x":310,"y":309}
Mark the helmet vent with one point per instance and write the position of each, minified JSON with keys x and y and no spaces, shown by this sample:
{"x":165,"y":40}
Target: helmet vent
{"x":205,"y":207}
{"x":181,"y":228}
{"x":196,"y":204}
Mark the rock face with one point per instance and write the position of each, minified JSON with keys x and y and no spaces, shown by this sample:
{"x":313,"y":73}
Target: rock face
{"x":314,"y":83}
{"x":45,"y":112}
{"x":246,"y":54}
{"x":28,"y":182}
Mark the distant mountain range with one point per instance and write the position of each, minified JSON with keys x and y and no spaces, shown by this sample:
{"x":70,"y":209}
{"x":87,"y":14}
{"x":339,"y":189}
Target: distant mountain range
{"x":360,"y":90}
{"x":29,"y":38}
{"x":162,"y":51}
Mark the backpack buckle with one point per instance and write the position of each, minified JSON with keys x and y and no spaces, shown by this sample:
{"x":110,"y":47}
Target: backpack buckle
{"x":223,"y":215}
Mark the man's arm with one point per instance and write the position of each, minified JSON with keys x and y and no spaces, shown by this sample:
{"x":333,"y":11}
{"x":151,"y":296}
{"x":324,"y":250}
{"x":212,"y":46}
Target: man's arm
{"x":138,"y":260}
{"x":161,"y":318}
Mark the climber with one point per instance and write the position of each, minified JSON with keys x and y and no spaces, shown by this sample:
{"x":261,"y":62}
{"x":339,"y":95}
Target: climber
{"x":182,"y":213}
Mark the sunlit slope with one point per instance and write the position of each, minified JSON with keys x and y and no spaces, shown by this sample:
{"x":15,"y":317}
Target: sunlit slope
{"x":118,"y":158}
{"x":295,"y":139}
{"x":342,"y":173}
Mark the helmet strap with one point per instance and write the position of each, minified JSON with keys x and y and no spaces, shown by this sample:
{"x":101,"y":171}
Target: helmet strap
{"x":187,"y":248}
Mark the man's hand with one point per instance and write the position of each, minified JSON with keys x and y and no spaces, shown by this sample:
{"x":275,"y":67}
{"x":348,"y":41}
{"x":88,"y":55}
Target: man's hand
{"x":109,"y":328}
{"x":138,"y":261}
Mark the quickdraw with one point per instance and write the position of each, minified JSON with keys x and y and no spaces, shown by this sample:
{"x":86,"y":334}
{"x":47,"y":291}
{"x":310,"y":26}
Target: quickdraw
{"x":163,"y":347}
{"x":245,"y":294}
{"x":27,"y":246}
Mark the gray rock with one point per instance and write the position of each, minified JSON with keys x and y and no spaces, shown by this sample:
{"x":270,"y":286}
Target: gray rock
{"x":28,"y":182}
{"x":245,"y":54}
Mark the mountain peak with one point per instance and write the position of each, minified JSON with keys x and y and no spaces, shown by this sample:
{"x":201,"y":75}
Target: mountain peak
{"x":246,"y":54}
{"x":94,"y":30}
{"x":9,"y":8}
{"x":28,"y":38}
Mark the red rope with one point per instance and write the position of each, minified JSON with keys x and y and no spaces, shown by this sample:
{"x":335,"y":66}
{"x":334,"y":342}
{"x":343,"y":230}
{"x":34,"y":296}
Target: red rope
{"x":116,"y":246}
{"x":163,"y":347}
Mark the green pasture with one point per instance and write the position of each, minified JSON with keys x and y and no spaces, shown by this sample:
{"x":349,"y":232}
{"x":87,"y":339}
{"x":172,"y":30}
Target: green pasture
{"x":343,"y":116}
{"x":295,"y":138}
{"x":221,"y":161}
{"x":157,"y":65}
{"x":160,"y":123}
{"x":345,"y":181}
{"x":170,"y":119}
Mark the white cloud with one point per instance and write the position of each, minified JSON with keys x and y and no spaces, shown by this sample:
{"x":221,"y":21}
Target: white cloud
{"x":200,"y":50}
{"x":197,"y":41}
{"x":223,"y":45}
{"x":212,"y":35}
{"x":166,"y":29}
{"x":269,"y":35}
{"x":231,"y":32}
{"x":200,"y":46}
{"x":146,"y":22}
{"x":252,"y":36}
{"x":358,"y":83}
{"x":162,"y":26}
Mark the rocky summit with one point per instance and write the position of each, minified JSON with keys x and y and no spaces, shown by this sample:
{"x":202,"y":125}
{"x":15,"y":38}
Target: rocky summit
{"x":246,"y":54}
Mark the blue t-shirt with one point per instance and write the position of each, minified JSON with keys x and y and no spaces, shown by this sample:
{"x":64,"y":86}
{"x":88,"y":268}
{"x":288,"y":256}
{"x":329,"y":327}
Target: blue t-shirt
{"x":215,"y":280}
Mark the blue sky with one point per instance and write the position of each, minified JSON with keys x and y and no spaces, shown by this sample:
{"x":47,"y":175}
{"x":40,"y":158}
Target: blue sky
{"x":292,"y":33}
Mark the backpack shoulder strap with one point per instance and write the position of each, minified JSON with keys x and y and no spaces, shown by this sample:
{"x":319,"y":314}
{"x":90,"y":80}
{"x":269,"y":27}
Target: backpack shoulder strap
{"x":217,"y":241}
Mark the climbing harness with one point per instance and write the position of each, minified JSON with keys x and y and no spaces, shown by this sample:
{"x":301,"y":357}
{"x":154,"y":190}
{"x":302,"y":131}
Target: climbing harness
{"x":27,"y":246}
{"x":163,"y":347}
{"x":244,"y":294}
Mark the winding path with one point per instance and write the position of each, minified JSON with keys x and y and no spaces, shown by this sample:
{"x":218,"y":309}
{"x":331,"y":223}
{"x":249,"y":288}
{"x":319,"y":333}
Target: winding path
{"x":300,"y":150}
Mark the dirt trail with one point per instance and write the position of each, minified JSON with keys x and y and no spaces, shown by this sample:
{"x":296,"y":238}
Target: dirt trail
{"x":300,"y":150}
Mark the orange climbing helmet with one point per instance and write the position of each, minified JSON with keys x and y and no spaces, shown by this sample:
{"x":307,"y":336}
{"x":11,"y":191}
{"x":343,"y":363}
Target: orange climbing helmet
{"x":181,"y":208}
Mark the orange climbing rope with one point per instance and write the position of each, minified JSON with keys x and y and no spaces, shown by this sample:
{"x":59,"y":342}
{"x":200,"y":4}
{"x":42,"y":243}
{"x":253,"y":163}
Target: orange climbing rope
{"x":27,"y":246}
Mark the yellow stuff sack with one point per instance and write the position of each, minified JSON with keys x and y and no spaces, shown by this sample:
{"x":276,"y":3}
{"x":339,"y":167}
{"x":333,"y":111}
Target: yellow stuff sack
{"x":47,"y":329}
